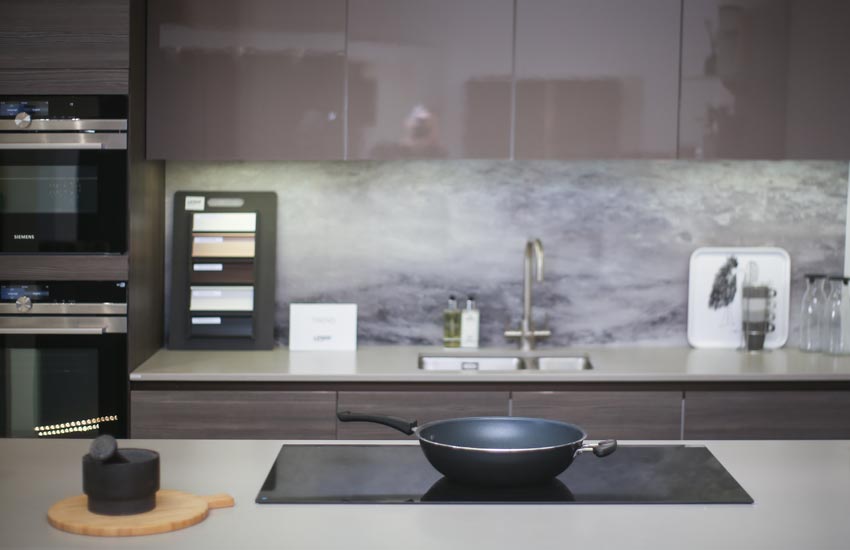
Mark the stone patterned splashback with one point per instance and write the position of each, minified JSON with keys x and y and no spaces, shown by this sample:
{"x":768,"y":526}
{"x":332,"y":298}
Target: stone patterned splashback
{"x":398,"y":237}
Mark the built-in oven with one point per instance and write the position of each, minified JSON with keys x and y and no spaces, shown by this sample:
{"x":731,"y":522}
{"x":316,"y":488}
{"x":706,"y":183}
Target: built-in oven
{"x":63,"y":174}
{"x":63,"y":359}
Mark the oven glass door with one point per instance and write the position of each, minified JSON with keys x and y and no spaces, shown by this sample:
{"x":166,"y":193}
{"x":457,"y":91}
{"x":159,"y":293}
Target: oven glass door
{"x":65,"y":386}
{"x":63,"y":200}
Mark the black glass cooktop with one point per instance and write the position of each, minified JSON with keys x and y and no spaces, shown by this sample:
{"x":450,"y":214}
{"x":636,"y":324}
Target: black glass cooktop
{"x":400,"y":474}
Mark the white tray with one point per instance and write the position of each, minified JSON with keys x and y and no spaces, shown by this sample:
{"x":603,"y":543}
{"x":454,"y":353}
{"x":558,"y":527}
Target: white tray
{"x":721,"y":328}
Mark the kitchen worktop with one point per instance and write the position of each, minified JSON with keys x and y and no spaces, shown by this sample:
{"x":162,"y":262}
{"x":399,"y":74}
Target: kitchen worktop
{"x":399,"y":364}
{"x":801,"y":492}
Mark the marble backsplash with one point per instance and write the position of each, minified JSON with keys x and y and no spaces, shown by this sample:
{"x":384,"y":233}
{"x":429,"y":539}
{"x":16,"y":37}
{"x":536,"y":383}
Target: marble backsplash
{"x":398,"y":237}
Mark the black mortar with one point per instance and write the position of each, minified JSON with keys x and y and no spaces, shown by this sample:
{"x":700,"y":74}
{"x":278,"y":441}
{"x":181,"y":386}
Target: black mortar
{"x":123,"y":484}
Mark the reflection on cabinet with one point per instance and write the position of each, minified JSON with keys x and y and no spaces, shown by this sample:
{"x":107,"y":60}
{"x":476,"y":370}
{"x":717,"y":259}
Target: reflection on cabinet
{"x":418,"y":60}
{"x":250,"y":80}
{"x":765,"y":79}
{"x":767,"y":415}
{"x":233,"y":414}
{"x":596,"y":78}
{"x":607,"y":414}
{"x":414,"y":405}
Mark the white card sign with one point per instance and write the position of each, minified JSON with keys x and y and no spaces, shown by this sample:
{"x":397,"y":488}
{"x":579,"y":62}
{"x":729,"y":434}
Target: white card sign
{"x":322,"y":327}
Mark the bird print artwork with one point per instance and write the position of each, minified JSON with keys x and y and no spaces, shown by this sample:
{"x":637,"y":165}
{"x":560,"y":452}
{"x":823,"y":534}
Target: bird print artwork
{"x":725,"y":285}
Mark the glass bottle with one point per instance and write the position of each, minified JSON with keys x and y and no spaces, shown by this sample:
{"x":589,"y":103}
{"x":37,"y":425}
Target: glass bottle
{"x":845,"y":316}
{"x":823,"y":289}
{"x":451,"y":324}
{"x":832,"y":327}
{"x":810,"y":315}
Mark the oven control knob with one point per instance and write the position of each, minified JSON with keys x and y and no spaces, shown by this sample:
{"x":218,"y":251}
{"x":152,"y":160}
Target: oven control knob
{"x":23,"y":120}
{"x":23,"y":304}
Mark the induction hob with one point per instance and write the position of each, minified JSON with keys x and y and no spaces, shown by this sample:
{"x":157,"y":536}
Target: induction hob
{"x":400,"y":474}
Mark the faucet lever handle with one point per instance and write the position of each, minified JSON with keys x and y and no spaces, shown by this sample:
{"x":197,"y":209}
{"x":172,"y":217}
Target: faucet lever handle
{"x":513,"y":334}
{"x":541,"y":333}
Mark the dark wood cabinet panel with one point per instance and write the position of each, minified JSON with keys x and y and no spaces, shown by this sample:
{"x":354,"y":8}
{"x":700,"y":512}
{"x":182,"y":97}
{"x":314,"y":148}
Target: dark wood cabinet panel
{"x":414,"y":405}
{"x":146,"y":206}
{"x":63,"y":81}
{"x":58,"y":267}
{"x":767,"y":415}
{"x":248,"y":80}
{"x":596,"y":79}
{"x":233,"y":414}
{"x":765,"y":79}
{"x":58,"y":34}
{"x":608,"y":414}
{"x":429,"y":79}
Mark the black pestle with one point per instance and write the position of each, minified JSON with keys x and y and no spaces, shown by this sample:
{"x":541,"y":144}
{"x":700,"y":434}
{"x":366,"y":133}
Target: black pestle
{"x":104,"y":448}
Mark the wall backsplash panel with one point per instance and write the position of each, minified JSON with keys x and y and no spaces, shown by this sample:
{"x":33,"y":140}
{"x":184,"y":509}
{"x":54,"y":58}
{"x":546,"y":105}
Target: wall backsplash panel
{"x":398,"y":237}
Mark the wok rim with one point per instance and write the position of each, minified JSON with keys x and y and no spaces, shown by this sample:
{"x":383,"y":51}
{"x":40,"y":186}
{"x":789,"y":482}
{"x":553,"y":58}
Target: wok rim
{"x":497,"y":449}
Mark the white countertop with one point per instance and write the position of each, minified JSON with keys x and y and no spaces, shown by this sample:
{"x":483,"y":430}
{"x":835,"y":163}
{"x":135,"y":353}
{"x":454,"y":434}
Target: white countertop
{"x":400,"y":364}
{"x":801,"y":492}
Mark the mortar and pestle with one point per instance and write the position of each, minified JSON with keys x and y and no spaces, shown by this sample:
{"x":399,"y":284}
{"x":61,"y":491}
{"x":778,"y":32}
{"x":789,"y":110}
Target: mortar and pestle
{"x":119,"y":483}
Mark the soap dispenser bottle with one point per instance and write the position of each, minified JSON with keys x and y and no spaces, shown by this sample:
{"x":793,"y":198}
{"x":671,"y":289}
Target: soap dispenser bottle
{"x":451,"y":324}
{"x":469,"y":324}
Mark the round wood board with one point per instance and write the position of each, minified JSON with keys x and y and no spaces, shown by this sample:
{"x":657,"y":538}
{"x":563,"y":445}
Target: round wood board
{"x":174,"y":510}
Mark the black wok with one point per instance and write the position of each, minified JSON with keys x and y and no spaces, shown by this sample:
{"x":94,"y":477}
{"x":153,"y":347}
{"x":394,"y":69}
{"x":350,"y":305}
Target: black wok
{"x":495,"y":450}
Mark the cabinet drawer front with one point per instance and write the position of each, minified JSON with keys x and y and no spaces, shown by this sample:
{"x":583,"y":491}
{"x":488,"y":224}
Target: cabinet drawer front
{"x":414,"y":405}
{"x":608,"y":414}
{"x":222,"y":272}
{"x":223,"y":245}
{"x":237,"y":326}
{"x":222,"y":298}
{"x":767,"y":415}
{"x":233,"y":414}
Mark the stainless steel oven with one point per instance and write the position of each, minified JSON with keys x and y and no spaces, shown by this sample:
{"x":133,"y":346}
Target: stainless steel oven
{"x":63,"y":359}
{"x":63,"y":174}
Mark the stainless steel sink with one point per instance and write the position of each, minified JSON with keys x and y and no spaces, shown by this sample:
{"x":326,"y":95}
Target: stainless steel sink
{"x":560,"y":363}
{"x":469,"y":363}
{"x":537,"y":361}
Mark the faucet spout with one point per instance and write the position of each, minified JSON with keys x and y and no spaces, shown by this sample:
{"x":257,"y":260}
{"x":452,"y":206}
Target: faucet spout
{"x":532,"y":269}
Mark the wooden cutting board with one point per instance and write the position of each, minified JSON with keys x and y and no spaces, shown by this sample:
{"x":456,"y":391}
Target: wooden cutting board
{"x":174,"y":510}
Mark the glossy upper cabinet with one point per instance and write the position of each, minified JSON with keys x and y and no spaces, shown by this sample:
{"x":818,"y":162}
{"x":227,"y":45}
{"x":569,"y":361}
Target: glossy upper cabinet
{"x":429,"y":78}
{"x":765,"y":79}
{"x":247,"y":80}
{"x":596,"y":78}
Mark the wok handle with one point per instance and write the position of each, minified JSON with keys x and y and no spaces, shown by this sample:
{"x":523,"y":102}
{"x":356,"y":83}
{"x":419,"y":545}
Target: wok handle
{"x":404,"y":426}
{"x":603,"y":448}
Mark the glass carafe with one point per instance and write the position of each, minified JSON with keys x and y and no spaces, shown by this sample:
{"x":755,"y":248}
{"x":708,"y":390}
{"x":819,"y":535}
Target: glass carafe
{"x":810,"y":315}
{"x":823,"y":287}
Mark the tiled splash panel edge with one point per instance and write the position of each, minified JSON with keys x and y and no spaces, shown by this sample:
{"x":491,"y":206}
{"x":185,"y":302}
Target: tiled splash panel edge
{"x":398,"y":237}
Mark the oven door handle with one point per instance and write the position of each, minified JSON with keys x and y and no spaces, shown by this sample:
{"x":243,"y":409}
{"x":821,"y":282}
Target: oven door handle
{"x":49,"y":325}
{"x":43,"y":146}
{"x":67,"y":330}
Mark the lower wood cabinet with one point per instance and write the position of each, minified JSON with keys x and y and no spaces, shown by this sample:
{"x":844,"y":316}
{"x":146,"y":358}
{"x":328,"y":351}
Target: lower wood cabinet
{"x":608,"y":414}
{"x":414,"y":405}
{"x":767,"y":415}
{"x":233,"y":414}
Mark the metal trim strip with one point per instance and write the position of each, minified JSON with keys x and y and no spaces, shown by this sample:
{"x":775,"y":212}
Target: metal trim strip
{"x":66,"y":309}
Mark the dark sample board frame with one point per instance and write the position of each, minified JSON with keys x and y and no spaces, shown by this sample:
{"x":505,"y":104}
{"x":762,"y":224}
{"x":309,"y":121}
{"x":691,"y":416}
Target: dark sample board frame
{"x":235,"y":330}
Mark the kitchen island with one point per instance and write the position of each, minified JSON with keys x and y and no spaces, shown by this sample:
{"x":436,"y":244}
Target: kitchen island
{"x":399,"y":364}
{"x":801,"y":492}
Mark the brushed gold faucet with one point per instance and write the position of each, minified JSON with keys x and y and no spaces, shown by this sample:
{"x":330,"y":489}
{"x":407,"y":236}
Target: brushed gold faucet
{"x":533,"y":260}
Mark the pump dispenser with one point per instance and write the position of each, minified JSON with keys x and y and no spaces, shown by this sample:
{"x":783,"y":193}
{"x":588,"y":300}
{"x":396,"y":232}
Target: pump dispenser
{"x":469,"y":324}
